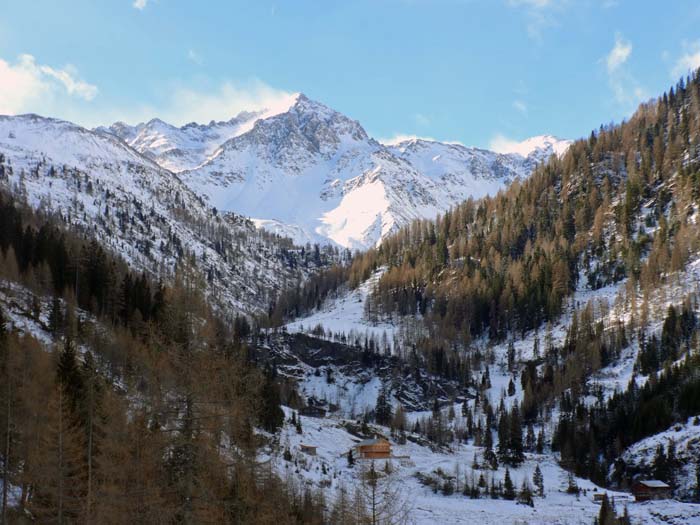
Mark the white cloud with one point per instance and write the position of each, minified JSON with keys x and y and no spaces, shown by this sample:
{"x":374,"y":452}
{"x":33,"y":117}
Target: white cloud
{"x":140,"y":4}
{"x":537,"y":4}
{"x":401,"y":137}
{"x":520,"y":106}
{"x":627,"y":91}
{"x":619,"y":54}
{"x":195,"y":57}
{"x":28,"y":86}
{"x":539,"y":13}
{"x":501,"y":144}
{"x":421,"y":119}
{"x":689,"y":61}
{"x":73,"y":85}
{"x":225,"y":101}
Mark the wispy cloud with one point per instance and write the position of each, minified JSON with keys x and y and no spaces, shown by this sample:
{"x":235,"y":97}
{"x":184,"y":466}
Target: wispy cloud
{"x":502,"y":144}
{"x":689,"y":61}
{"x":540,"y":14}
{"x":29,"y":86}
{"x":140,"y":4}
{"x":628,"y":92}
{"x":538,"y":4}
{"x":619,"y":54}
{"x":224,"y":101}
{"x":421,"y":119}
{"x":402,"y":137}
{"x":520,"y":106}
{"x":194,"y":57}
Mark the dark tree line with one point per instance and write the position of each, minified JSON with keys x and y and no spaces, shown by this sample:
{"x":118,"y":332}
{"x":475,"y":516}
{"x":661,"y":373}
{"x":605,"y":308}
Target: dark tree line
{"x":144,"y":408}
{"x":591,"y":438}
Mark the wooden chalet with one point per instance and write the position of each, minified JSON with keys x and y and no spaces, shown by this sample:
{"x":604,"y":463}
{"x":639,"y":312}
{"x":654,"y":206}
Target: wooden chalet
{"x":650,"y":489}
{"x":377,"y":448}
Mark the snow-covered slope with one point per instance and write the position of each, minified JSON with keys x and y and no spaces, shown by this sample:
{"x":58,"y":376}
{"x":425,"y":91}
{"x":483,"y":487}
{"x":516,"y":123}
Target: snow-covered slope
{"x":96,"y":183}
{"x":186,"y":147}
{"x":314,"y":174}
{"x":414,"y":462}
{"x":538,"y":148}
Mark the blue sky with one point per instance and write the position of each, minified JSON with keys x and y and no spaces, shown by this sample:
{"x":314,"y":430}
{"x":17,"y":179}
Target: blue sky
{"x":479,"y":72}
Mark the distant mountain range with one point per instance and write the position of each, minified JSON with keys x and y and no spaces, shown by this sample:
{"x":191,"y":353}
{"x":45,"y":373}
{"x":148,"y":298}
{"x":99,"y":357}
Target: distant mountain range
{"x":315,"y":175}
{"x":97,"y":184}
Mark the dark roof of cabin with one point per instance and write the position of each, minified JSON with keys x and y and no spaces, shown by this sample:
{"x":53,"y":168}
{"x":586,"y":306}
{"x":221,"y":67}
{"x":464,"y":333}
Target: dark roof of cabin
{"x":654,"y":484}
{"x":373,"y":441}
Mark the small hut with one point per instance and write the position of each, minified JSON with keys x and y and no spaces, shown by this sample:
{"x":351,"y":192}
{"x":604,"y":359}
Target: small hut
{"x":649,"y":489}
{"x":308,"y":449}
{"x":312,"y":411}
{"x":378,"y":448}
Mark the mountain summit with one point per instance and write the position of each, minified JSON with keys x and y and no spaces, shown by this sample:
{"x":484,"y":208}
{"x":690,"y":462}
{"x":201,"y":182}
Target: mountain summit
{"x":311,"y":173}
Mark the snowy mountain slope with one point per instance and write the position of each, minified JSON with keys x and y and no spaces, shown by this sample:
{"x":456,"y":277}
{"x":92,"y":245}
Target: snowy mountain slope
{"x":337,"y":376}
{"x":96,"y":183}
{"x":346,"y":315}
{"x":329,"y":468}
{"x":186,"y":147}
{"x":538,"y":148}
{"x":314,"y":174}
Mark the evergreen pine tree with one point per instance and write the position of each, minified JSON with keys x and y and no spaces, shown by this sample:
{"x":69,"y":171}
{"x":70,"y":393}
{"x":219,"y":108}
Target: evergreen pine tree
{"x":382,"y":411}
{"x":539,"y":448}
{"x":530,"y":439}
{"x":606,"y":515}
{"x":490,"y":458}
{"x":55,"y":316}
{"x":271,"y":414}
{"x":660,"y":465}
{"x":515,"y":439}
{"x":508,"y":487}
{"x":538,"y":481}
{"x":525,"y":494}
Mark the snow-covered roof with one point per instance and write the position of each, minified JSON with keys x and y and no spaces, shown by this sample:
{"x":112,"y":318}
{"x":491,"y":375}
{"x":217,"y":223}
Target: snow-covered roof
{"x":654,"y":484}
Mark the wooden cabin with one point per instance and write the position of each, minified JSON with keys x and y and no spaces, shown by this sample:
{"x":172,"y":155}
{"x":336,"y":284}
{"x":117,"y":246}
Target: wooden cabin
{"x":308,"y":449}
{"x":598,"y":498}
{"x":378,"y":448}
{"x":312,"y":411}
{"x":650,"y":489}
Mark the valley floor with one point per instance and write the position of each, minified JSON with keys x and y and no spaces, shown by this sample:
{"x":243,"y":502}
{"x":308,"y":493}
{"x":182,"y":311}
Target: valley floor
{"x":428,"y":507}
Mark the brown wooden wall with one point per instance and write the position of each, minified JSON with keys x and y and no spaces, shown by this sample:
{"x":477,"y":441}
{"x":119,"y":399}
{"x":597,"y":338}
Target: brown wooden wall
{"x":380,"y":450}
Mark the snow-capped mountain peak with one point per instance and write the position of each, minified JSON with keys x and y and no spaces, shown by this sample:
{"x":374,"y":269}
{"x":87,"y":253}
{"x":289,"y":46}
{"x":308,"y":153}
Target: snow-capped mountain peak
{"x":303,"y":169}
{"x":186,"y":147}
{"x":541,"y":146}
{"x":308,"y":171}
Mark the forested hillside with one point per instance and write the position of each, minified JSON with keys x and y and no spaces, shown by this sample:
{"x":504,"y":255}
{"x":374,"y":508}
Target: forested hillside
{"x":618,"y":212}
{"x":620,"y":204}
{"x":124,"y":400}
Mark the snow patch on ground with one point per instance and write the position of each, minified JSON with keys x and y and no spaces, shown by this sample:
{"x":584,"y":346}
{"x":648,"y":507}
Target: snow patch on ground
{"x":426,"y":507}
